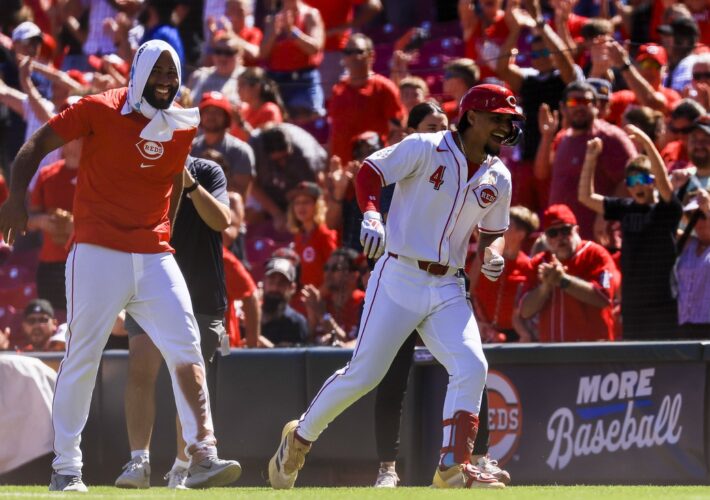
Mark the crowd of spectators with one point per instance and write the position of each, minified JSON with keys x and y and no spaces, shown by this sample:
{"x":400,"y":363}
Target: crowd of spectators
{"x":609,"y":236}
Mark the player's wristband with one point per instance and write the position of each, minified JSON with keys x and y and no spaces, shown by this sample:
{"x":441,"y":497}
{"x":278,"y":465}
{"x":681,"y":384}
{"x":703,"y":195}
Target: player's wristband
{"x":191,"y":188}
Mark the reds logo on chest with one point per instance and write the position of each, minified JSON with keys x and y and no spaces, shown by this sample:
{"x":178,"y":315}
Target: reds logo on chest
{"x":486,"y":194}
{"x":150,"y":150}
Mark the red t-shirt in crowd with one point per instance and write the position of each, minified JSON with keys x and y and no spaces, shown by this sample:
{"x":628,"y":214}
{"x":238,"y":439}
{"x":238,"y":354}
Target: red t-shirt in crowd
{"x":564,"y":318}
{"x":268,"y":112}
{"x":497,"y":299}
{"x":622,"y":99}
{"x":253,"y":35}
{"x":353,"y":111}
{"x":314,"y":250}
{"x":288,"y":56}
{"x":240,"y":285}
{"x":335,"y":13}
{"x":675,"y":155}
{"x":451,"y":108}
{"x":348,"y":316}
{"x":567,"y":166}
{"x":54,"y":189}
{"x":484,"y":45}
{"x":124,"y":182}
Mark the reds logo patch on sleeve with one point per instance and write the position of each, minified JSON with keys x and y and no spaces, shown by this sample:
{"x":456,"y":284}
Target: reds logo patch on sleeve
{"x":486,"y":194}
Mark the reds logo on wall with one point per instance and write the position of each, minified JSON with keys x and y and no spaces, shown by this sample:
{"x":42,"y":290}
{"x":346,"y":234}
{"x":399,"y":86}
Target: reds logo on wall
{"x":486,"y":194}
{"x":150,"y":150}
{"x":505,"y":416}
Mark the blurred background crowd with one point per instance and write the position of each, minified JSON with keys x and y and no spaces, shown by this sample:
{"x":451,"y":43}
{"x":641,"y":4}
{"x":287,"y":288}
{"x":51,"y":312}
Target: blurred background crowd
{"x":609,"y":236}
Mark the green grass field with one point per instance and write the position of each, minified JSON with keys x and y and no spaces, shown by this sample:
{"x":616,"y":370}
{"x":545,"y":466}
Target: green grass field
{"x":514,"y":492}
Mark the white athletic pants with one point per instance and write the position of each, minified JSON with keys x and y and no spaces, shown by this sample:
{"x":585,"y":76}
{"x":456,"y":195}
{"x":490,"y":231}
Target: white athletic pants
{"x":399,"y":299}
{"x":100,"y":282}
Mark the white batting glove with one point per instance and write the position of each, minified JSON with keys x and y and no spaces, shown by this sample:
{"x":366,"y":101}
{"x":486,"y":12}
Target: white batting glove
{"x":372,"y":234}
{"x":493,"y":264}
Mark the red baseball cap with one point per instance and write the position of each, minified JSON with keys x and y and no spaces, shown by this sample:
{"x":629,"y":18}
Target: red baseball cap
{"x":556,"y":215}
{"x":97,"y":62}
{"x":218,"y":100}
{"x":491,"y":98}
{"x":78,"y":77}
{"x":652,"y":51}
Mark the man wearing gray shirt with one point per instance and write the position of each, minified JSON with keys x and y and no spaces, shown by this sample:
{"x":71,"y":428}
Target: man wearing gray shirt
{"x":285,"y":156}
{"x":215,"y":119}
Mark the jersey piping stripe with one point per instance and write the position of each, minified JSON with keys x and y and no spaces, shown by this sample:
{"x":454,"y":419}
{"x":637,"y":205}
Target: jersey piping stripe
{"x":457,"y":221}
{"x":361,"y":334}
{"x":61,"y":365}
{"x":376,"y":169}
{"x":456,"y":198}
{"x":491,"y":231}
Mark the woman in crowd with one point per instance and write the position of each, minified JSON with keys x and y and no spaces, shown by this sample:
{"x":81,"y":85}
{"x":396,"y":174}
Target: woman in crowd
{"x":261,"y":103}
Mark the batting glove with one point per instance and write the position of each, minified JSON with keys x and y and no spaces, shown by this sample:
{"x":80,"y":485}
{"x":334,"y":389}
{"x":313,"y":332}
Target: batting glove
{"x":372,"y":234}
{"x":493,"y":264}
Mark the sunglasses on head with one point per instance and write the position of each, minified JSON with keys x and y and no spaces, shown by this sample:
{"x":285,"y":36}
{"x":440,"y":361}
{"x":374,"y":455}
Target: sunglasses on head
{"x":537,"y":54}
{"x":573,"y":102}
{"x":223,"y":52}
{"x":639,"y":180}
{"x":554,"y":232}
{"x":701,"y":75}
{"x":353,"y":52}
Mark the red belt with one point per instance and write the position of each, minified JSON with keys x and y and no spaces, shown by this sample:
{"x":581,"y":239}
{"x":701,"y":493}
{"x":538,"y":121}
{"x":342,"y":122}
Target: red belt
{"x":433,"y":268}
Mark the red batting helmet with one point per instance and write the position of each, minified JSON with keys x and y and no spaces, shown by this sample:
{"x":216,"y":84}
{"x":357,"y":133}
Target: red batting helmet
{"x":491,"y":98}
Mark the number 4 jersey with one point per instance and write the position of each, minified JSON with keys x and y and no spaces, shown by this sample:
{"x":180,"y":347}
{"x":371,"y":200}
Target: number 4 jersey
{"x":434,"y":207}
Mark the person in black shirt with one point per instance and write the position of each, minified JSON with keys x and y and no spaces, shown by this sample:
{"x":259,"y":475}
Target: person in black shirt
{"x":281,"y":324}
{"x":197,"y":239}
{"x":648,"y":227}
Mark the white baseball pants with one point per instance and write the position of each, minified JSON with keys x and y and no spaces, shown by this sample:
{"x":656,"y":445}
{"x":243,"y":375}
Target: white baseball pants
{"x":100,"y":283}
{"x":399,"y":299}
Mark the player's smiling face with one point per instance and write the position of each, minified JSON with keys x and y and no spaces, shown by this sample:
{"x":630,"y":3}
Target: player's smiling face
{"x":163,"y":82}
{"x":495,"y":127}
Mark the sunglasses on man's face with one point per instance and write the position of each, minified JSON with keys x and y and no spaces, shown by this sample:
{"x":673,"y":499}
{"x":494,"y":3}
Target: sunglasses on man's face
{"x":701,"y":75}
{"x":537,"y":54}
{"x":353,"y":52}
{"x":33,"y":320}
{"x":554,"y":232}
{"x":223,"y":52}
{"x":573,"y":102}
{"x":680,"y":130}
{"x":639,"y":180}
{"x":649,"y":64}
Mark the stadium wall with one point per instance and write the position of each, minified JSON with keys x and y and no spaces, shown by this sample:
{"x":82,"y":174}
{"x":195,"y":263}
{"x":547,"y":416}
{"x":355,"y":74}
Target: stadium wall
{"x":596,"y":413}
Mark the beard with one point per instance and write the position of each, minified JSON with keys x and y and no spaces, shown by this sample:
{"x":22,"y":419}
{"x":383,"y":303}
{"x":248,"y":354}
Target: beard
{"x":273,"y":304}
{"x":158,"y":103}
{"x":581,"y":123}
{"x":701,"y":160}
{"x":491,"y":149}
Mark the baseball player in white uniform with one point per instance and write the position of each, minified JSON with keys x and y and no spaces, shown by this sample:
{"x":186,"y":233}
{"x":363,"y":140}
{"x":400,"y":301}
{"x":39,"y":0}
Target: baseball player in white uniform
{"x":446,"y":185}
{"x":130,"y":177}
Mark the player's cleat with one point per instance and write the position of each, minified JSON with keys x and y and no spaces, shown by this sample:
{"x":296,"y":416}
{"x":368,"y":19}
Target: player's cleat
{"x":386,"y":478}
{"x":464,"y":476}
{"x":288,"y":459}
{"x":176,"y":478}
{"x":489,"y":466}
{"x":211,"y":472}
{"x":61,"y":482}
{"x":136,"y":474}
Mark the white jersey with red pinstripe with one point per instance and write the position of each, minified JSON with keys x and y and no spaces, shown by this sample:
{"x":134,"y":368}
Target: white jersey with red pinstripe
{"x":435,"y":208}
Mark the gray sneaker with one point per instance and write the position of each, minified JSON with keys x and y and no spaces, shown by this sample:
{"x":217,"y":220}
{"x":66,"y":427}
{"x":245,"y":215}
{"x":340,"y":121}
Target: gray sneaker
{"x":211,"y":472}
{"x":176,"y":478}
{"x":136,"y":474}
{"x":61,"y":482}
{"x":386,"y":479}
